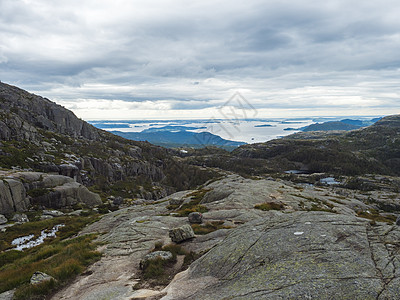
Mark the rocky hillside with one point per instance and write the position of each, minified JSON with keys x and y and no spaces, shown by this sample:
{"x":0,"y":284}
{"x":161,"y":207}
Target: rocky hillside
{"x":39,"y":135}
{"x":258,"y":239}
{"x":375,"y":149}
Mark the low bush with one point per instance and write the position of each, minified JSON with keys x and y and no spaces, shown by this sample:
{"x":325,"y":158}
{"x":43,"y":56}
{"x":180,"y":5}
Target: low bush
{"x":269,"y":206}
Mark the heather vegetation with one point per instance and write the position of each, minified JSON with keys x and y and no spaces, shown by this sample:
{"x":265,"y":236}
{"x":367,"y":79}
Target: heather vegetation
{"x":63,"y":257}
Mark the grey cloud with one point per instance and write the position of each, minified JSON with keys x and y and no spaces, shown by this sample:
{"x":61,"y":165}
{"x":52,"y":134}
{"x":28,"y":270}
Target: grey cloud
{"x":168,"y":51}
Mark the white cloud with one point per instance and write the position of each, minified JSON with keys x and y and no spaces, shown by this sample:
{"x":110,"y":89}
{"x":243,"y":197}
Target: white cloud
{"x":177,"y":56}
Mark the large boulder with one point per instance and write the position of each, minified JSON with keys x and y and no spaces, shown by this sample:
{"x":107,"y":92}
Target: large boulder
{"x":12,"y":196}
{"x":68,"y":194}
{"x":302,"y":255}
{"x":40,"y":277}
{"x":195,"y":218}
{"x":181,"y":234}
{"x":17,"y":189}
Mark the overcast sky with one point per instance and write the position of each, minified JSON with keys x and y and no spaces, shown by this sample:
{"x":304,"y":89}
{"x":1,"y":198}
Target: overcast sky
{"x":169,"y":59}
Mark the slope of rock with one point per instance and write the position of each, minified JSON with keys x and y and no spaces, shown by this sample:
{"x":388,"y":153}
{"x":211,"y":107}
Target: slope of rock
{"x":37,"y":134}
{"x":303,"y":255}
{"x":313,"y":245}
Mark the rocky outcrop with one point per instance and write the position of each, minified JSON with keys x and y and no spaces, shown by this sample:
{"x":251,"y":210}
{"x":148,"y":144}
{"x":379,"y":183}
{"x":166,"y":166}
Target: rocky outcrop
{"x":40,"y":277}
{"x":195,"y":218}
{"x":23,"y":112}
{"x":51,"y":191}
{"x":67,"y":195}
{"x":303,"y":255}
{"x":12,"y":196}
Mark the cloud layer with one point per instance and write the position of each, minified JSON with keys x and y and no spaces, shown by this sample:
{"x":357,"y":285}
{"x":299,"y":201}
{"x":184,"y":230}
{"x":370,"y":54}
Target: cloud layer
{"x":147,"y":59}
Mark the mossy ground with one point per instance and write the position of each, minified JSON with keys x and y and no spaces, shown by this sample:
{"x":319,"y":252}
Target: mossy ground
{"x":63,"y":257}
{"x":158,"y":272}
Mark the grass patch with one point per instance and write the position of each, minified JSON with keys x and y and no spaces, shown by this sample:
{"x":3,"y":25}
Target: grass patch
{"x":38,"y":192}
{"x":160,"y":272}
{"x":270,"y":206}
{"x":62,"y":257}
{"x":208,"y":227}
{"x":373,"y":215}
{"x":192,"y":206}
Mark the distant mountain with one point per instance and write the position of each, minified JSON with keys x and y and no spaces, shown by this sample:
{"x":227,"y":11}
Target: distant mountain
{"x":178,"y":136}
{"x":370,"y":150}
{"x":345,"y":124}
{"x":328,"y":126}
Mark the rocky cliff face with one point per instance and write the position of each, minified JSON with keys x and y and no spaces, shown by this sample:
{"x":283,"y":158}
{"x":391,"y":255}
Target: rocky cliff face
{"x":23,"y":113}
{"x":37,"y":134}
{"x":21,"y":190}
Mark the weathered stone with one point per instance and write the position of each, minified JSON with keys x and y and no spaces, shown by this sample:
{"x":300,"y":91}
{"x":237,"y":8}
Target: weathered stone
{"x":20,"y":218}
{"x":181,"y":234}
{"x":9,"y":295}
{"x":3,"y":220}
{"x":68,"y":194}
{"x":163,"y":255}
{"x":398,"y":221}
{"x":18,"y":193}
{"x":12,"y":196}
{"x":195,"y":218}
{"x":302,"y":255}
{"x":39,"y":277}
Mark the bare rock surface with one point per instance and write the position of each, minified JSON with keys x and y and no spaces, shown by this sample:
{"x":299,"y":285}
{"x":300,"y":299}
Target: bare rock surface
{"x":295,"y":253}
{"x":303,"y":255}
{"x":8,"y":295}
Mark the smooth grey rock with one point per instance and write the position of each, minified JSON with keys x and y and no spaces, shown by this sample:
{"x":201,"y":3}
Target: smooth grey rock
{"x":302,"y":255}
{"x":12,"y":196}
{"x":39,"y":277}
{"x":18,"y":193}
{"x":20,"y":218}
{"x":9,"y":295}
{"x":181,"y":234}
{"x":195,"y":218}
{"x":3,"y":220}
{"x":163,"y":255}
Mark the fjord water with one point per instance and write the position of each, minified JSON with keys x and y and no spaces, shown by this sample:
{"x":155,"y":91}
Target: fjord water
{"x":249,"y":131}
